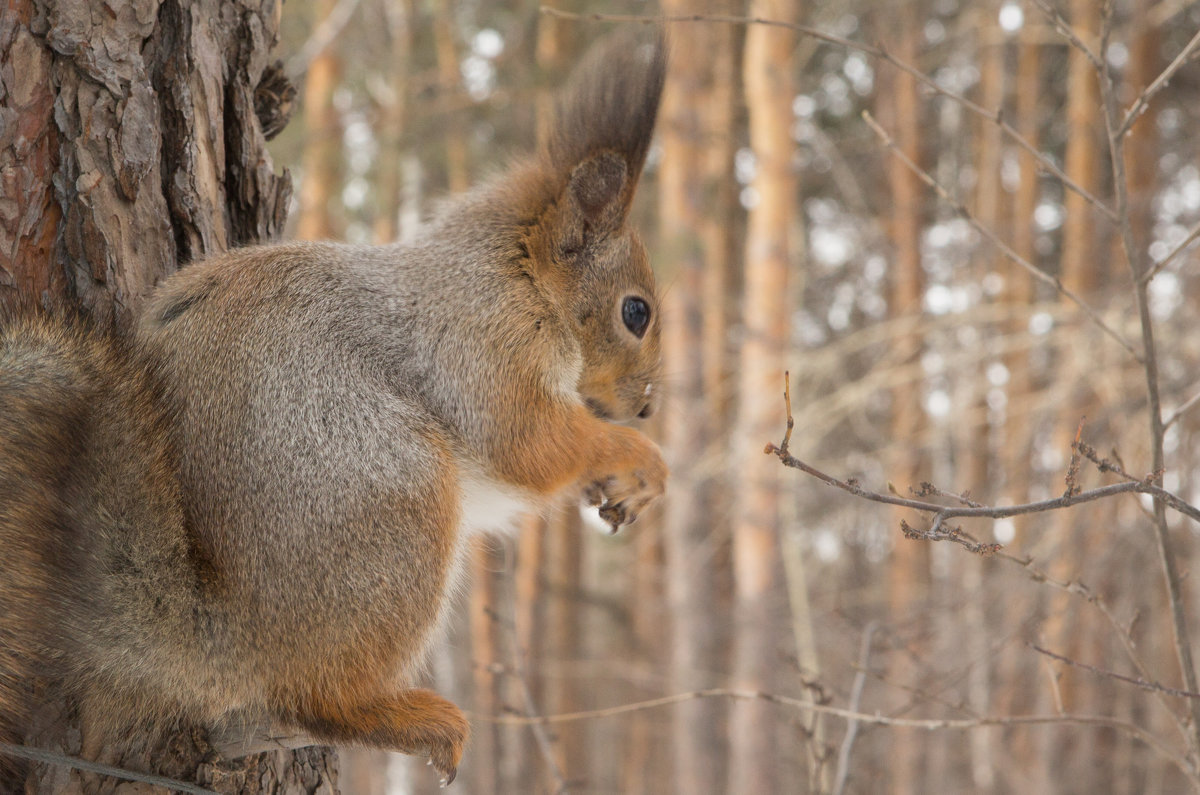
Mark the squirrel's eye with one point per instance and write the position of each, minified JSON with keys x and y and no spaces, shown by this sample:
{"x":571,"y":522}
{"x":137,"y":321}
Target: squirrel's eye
{"x":636,"y":314}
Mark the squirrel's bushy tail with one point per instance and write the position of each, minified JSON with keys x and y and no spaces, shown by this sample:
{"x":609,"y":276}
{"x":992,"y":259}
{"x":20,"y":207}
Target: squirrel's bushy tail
{"x":43,"y":421}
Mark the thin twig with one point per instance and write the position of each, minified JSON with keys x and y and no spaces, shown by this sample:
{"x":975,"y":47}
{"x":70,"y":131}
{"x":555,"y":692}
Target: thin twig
{"x":1055,"y":690}
{"x":545,"y":745}
{"x":929,"y":724}
{"x":1183,"y":409}
{"x":1073,"y":468}
{"x":1107,"y":464}
{"x":856,"y":691}
{"x":1116,"y":148}
{"x":943,"y":512}
{"x":52,"y":758}
{"x":879,"y":52}
{"x":1004,"y":248}
{"x":327,"y":30}
{"x":1143,"y":101}
{"x":1175,"y":252}
{"x":1062,"y":28}
{"x":1081,"y":590}
{"x":1142,"y":683}
{"x":928,"y":489}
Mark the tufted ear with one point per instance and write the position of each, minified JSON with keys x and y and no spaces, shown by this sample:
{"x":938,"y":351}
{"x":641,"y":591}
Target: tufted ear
{"x":602,"y":130}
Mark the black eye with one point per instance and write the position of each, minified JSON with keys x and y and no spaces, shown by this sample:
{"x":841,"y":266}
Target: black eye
{"x":636,"y":314}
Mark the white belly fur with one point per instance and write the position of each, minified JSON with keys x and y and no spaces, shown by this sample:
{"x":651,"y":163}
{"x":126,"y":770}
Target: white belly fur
{"x":491,"y":507}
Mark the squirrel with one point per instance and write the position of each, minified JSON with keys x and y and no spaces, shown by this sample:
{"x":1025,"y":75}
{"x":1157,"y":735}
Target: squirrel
{"x":258,"y":500}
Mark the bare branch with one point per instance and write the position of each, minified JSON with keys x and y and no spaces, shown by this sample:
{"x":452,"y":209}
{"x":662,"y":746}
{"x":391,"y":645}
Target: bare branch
{"x":1067,"y":32}
{"x":1116,"y":148}
{"x":322,"y":37}
{"x":544,"y":743}
{"x":856,"y":691}
{"x":1143,"y":101}
{"x":1073,"y":468}
{"x":875,"y":52}
{"x":1183,"y":409}
{"x":930,"y":724}
{"x":1005,"y":249}
{"x":238,"y":739}
{"x":51,"y":758}
{"x":943,"y":512}
{"x":929,"y":490}
{"x":1142,"y":683}
{"x":1082,"y":591}
{"x":1175,"y":252}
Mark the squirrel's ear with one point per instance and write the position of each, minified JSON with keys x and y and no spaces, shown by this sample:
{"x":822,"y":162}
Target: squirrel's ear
{"x":602,"y":131}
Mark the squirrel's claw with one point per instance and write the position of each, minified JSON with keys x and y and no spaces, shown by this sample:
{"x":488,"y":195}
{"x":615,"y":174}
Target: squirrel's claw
{"x":619,"y":513}
{"x":447,"y":770}
{"x":446,"y":765}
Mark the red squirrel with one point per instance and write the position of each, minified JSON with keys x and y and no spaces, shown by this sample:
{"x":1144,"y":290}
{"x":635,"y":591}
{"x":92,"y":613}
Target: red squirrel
{"x":257,"y":502}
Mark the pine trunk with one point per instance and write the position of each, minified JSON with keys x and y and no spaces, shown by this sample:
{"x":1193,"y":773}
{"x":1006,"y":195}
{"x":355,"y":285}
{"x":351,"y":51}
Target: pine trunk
{"x":321,"y":176}
{"x":908,"y":571}
{"x":770,"y":89}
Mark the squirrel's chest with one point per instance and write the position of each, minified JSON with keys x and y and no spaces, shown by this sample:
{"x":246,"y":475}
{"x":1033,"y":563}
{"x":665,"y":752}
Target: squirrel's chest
{"x":492,"y":507}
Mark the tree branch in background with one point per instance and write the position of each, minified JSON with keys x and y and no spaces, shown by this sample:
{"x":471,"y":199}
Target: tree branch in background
{"x":1116,"y":147}
{"x":530,"y":710}
{"x":929,"y":724}
{"x":856,"y":690}
{"x":1005,"y":249}
{"x":121,"y":774}
{"x":322,"y":37}
{"x":1060,"y":26}
{"x":1143,"y":101}
{"x":1183,"y":409}
{"x":1175,"y":252}
{"x":1142,"y":683}
{"x":938,"y":531}
{"x":1124,"y":633}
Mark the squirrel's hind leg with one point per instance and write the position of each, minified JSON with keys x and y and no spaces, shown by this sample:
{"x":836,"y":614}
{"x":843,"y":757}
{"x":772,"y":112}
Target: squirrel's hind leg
{"x":415,"y":721}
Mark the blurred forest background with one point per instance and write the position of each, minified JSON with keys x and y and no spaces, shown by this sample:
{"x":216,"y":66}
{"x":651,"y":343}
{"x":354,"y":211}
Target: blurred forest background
{"x":940,"y":218}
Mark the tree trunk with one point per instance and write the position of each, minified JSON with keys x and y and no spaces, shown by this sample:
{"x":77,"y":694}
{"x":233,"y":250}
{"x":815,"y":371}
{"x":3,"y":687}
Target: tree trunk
{"x":450,"y":80}
{"x":908,"y":571}
{"x":1013,"y":669}
{"x":119,"y":162}
{"x":1085,"y":274}
{"x":770,"y":89}
{"x":401,"y":17}
{"x":321,"y":176}
{"x":1081,"y":270}
{"x":693,"y":253}
{"x":975,"y":438}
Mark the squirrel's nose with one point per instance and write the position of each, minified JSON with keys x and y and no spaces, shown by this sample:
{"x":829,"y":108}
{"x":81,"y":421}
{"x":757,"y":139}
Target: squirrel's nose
{"x":646,"y":411}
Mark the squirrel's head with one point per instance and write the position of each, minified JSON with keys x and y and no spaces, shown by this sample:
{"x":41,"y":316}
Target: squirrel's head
{"x":581,"y":245}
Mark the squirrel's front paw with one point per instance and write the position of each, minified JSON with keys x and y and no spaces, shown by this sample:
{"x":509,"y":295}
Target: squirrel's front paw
{"x":634,"y":481}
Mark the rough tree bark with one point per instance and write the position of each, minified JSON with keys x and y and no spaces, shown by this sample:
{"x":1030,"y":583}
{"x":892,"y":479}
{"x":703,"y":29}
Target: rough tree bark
{"x":132,"y":140}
